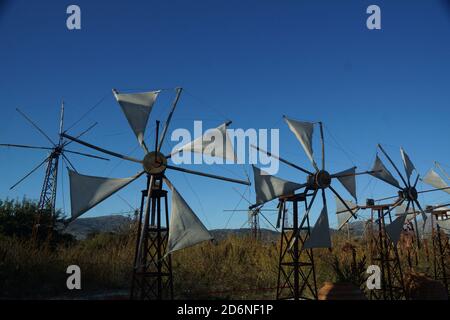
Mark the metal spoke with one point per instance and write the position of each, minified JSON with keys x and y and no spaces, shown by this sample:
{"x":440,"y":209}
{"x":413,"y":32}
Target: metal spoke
{"x":35,"y":126}
{"x":169,"y":118}
{"x":308,"y":210}
{"x":322,"y":140}
{"x":70,"y":163}
{"x":353,"y":174}
{"x":81,"y":134}
{"x":417,"y":180}
{"x":114,"y":154}
{"x":281,"y":159}
{"x":24,"y":146}
{"x":343,"y":201}
{"x":393,"y":164}
{"x":247,"y":183}
{"x":86,"y":155}
{"x":29,"y":174}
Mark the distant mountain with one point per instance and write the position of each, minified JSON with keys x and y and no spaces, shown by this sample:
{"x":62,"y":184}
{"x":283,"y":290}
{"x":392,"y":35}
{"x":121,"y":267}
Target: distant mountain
{"x":83,"y":227}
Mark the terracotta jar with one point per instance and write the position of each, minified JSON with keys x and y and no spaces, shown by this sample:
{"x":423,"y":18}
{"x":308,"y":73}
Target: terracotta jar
{"x":340,"y":291}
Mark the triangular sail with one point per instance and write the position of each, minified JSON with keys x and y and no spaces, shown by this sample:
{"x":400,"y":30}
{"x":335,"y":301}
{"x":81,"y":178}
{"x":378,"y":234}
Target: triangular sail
{"x":304,"y":133}
{"x":214,"y":142}
{"x":88,"y":191}
{"x":407,"y":163}
{"x":137,"y":108}
{"x":435,"y":180}
{"x":394,"y":229}
{"x":185,"y":229}
{"x":342,"y":213}
{"x":348,"y":179}
{"x":320,"y":234}
{"x":382,"y":173}
{"x":401,"y":210}
{"x":268,"y":187}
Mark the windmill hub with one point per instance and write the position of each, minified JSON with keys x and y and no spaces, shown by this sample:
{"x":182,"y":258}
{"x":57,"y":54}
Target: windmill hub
{"x":410,"y":193}
{"x":155,"y":163}
{"x":320,"y":180}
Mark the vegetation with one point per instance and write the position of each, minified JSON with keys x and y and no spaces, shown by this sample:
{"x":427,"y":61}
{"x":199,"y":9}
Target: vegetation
{"x":234,"y":268}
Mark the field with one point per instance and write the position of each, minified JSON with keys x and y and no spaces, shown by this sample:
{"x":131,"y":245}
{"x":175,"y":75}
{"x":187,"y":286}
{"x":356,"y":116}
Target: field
{"x":233,"y":268}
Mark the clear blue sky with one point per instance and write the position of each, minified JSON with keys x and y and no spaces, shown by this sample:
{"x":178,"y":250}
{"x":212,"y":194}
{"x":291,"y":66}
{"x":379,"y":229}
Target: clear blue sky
{"x":249,"y":61}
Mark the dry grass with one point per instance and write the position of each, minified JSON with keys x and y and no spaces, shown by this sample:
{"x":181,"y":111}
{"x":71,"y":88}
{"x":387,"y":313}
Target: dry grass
{"x":235,"y":268}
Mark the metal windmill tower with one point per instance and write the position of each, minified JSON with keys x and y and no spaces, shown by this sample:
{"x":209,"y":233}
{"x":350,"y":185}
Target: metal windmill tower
{"x":253,"y":215}
{"x":386,"y":236}
{"x":158,"y":236}
{"x":296,"y":276}
{"x":56,"y":150}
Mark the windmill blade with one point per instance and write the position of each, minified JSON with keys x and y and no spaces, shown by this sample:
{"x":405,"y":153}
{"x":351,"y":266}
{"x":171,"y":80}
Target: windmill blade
{"x":405,"y":210}
{"x":114,"y":154}
{"x":438,"y":165}
{"x":348,"y":179}
{"x":88,"y":191}
{"x":304,"y":133}
{"x":169,"y":118}
{"x":69,"y":162}
{"x":394,"y":229}
{"x":424,"y":215}
{"x":185,"y":228}
{"x":342,"y":213}
{"x":213,"y":176}
{"x":29,"y":173}
{"x":268,"y":187}
{"x":381,"y":172}
{"x":433,"y":179}
{"x":214,"y":142}
{"x":320,"y":234}
{"x":342,"y":200}
{"x":137,"y":108}
{"x":35,"y":126}
{"x":282,"y":160}
{"x":23,"y":146}
{"x":407,"y":164}
{"x":86,"y":155}
{"x":393,"y":164}
{"x":81,"y":134}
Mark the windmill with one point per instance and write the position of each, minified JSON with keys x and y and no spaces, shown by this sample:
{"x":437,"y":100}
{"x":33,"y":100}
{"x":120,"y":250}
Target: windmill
{"x":386,"y":238}
{"x":152,"y":269}
{"x":253,"y":215}
{"x":296,"y":276}
{"x":56,"y":150}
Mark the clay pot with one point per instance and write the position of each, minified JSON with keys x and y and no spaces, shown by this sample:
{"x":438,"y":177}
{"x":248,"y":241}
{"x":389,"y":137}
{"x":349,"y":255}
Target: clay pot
{"x":340,"y":291}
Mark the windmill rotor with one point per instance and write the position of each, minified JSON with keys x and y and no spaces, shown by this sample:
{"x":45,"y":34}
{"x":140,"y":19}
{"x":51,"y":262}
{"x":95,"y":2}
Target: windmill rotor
{"x":57,"y":149}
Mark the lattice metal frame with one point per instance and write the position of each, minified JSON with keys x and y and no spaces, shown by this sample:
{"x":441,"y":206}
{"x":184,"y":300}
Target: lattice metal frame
{"x":385,"y":255}
{"x":152,"y":277}
{"x":296,"y":268}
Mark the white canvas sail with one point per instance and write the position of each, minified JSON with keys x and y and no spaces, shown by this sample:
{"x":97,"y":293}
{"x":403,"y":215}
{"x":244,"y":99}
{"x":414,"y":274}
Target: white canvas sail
{"x":394,"y":229}
{"x":342,"y":213}
{"x":435,"y":180}
{"x":320,"y":234}
{"x":382,"y":173}
{"x":348,"y":180}
{"x":137,"y":108}
{"x":185,"y":229}
{"x":407,"y":163}
{"x":88,"y":191}
{"x":214,"y":142}
{"x":268,"y":187}
{"x":304,"y":133}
